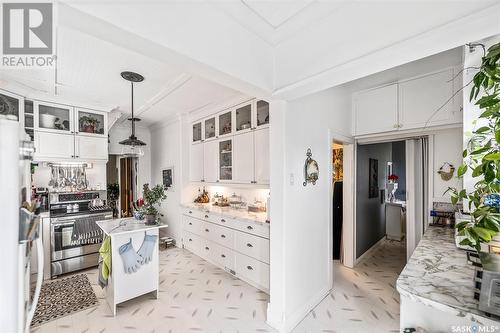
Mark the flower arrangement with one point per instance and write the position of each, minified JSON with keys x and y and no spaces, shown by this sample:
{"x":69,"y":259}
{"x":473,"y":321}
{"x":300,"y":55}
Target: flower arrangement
{"x":393,"y":178}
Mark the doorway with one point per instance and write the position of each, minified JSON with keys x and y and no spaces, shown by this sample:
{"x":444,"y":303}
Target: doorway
{"x":337,"y":202}
{"x":128,"y":185}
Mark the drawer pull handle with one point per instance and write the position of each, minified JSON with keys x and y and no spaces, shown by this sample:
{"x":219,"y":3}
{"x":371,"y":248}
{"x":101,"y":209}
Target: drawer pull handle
{"x":249,"y":245}
{"x":250,"y":268}
{"x":223,"y":221}
{"x":249,"y":227}
{"x":223,"y":255}
{"x":206,"y":216}
{"x":190,"y":212}
{"x":207,"y":248}
{"x":190,"y":240}
{"x":207,"y":230}
{"x":223,"y":236}
{"x":190,"y":223}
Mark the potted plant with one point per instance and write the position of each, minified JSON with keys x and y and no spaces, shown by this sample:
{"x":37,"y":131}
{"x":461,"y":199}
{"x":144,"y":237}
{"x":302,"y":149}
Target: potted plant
{"x":482,"y":158}
{"x":152,"y":200}
{"x":88,"y":124}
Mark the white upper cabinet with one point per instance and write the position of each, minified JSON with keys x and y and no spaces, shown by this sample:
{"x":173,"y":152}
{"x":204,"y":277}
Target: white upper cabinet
{"x":261,"y":114}
{"x":55,"y":118}
{"x":225,"y":121}
{"x":244,"y":158}
{"x":196,"y":163}
{"x":196,"y":135}
{"x":244,"y":115}
{"x":11,"y":105}
{"x":225,"y":160}
{"x":91,"y":148}
{"x":261,"y":142}
{"x":91,"y":123}
{"x":209,"y":128}
{"x":210,"y":161}
{"x":54,"y":146}
{"x":421,"y":98}
{"x":376,"y":110}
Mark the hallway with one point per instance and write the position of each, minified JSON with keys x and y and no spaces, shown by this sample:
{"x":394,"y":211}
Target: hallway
{"x":364,"y":299}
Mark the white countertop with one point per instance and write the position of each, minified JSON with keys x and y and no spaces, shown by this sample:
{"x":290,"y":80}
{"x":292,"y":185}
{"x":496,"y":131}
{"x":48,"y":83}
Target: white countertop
{"x":126,"y":225}
{"x":240,"y":214}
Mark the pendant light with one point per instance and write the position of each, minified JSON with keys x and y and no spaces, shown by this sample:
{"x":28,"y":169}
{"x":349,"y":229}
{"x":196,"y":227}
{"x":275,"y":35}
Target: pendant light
{"x":132,"y":144}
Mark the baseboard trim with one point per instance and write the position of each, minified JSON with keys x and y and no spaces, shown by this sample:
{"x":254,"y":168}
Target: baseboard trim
{"x":297,"y":316}
{"x":370,"y":250}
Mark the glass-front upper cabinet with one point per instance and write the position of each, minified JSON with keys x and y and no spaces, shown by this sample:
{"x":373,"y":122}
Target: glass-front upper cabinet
{"x":262,"y":113}
{"x":210,"y":130}
{"x":10,"y":105}
{"x":225,"y":123}
{"x":91,"y":122}
{"x":53,"y":117}
{"x":244,"y":117}
{"x":197,"y":132}
{"x":226,"y":160}
{"x":29,"y":119}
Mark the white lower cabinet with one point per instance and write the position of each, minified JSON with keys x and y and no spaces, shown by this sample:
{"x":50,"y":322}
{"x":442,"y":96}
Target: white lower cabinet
{"x":239,"y":247}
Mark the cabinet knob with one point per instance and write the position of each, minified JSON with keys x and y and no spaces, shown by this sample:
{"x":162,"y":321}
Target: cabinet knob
{"x":207,"y":230}
{"x":249,"y":227}
{"x":250,"y":268}
{"x":190,"y":223}
{"x":77,"y":156}
{"x":223,"y":221}
{"x":207,"y":248}
{"x":206,"y":216}
{"x":223,"y":255}
{"x":190,"y":212}
{"x":223,"y":236}
{"x":249,"y":245}
{"x":190,"y":240}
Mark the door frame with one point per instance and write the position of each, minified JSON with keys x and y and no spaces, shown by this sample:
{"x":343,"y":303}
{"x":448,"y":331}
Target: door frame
{"x":348,"y":192}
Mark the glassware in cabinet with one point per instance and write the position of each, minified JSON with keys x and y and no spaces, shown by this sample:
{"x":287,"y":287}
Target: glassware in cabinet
{"x":225,"y":123}
{"x":226,"y":160}
{"x":53,"y":117}
{"x":244,"y":117}
{"x":210,"y":128}
{"x":197,"y":132}
{"x":262,"y":113}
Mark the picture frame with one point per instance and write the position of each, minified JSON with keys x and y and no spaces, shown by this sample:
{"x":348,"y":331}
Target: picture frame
{"x":167,"y":177}
{"x":373,"y":178}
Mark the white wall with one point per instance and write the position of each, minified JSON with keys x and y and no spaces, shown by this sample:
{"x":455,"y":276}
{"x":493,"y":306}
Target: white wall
{"x":302,"y":238}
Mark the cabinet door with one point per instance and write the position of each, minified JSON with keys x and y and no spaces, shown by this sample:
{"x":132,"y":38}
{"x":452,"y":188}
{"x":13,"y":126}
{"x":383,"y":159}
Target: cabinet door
{"x":421,"y":98}
{"x":209,"y":128}
{"x":196,"y":162}
{"x":261,"y":138}
{"x":243,"y":165}
{"x":91,"y":148}
{"x":226,"y":160}
{"x":243,"y":115}
{"x":376,"y":110}
{"x":11,"y":105}
{"x":210,"y":161}
{"x":196,"y":135}
{"x":55,"y":118}
{"x":225,"y":123}
{"x":54,"y":146}
{"x":91,"y":123}
{"x":261,"y":114}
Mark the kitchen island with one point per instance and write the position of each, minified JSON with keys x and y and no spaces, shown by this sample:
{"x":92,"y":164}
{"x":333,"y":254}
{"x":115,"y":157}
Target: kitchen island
{"x":129,"y":281}
{"x":437,"y":287}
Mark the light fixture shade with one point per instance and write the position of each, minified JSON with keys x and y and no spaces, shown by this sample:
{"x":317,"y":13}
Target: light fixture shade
{"x":132,"y":140}
{"x":132,"y":151}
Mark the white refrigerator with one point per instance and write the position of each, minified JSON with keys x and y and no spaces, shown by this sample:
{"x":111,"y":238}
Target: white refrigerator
{"x":20,"y":229}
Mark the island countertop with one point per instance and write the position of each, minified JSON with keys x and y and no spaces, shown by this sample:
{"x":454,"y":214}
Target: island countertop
{"x":126,"y":225}
{"x":241,"y":214}
{"x":438,"y":275}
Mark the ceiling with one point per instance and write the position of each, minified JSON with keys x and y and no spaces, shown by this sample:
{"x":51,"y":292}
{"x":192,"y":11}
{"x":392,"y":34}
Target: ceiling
{"x":88,"y":74}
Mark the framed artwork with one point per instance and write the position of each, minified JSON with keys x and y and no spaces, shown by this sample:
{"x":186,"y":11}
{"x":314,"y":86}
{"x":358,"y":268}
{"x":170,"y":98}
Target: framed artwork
{"x":373,"y":179}
{"x":167,"y":176}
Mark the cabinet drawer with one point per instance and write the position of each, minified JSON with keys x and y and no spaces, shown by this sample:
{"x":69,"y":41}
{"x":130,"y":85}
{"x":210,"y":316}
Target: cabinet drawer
{"x":252,"y":270}
{"x":253,"y":246}
{"x":194,"y":213}
{"x":224,"y":257}
{"x":252,"y":228}
{"x":192,"y":225}
{"x":192,"y":242}
{"x":208,"y":250}
{"x":220,"y":235}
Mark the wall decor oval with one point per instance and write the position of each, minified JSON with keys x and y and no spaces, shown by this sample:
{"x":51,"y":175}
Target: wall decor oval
{"x":311,"y":169}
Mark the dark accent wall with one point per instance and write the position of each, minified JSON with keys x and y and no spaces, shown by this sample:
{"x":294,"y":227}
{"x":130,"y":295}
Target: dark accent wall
{"x":399,"y":168}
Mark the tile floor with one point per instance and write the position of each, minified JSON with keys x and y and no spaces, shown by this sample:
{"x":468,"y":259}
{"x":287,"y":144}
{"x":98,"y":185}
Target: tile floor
{"x":196,"y":296}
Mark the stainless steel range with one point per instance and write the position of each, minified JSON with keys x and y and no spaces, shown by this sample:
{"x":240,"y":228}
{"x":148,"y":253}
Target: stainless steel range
{"x":75,"y":238}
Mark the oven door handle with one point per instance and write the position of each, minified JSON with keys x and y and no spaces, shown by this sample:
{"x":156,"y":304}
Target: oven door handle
{"x":60,"y":224}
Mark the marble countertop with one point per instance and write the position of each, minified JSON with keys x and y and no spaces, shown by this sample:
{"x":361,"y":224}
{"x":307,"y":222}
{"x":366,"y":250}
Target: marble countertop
{"x":241,"y":214}
{"x":439,"y":276}
{"x":126,"y":225}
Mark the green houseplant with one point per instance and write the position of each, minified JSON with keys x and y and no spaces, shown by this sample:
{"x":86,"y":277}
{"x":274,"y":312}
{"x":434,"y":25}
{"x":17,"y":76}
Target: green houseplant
{"x":152,"y":201}
{"x":88,"y":124}
{"x":482,"y":157}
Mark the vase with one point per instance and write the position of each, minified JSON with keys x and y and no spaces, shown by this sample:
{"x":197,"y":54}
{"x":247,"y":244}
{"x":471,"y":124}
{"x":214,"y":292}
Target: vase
{"x":150,"y":219}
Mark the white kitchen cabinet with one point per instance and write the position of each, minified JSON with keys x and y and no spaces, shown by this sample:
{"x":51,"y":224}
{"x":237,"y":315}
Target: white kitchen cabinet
{"x":55,"y":118}
{"x":210,"y":161}
{"x":261,"y":139}
{"x":91,"y":123}
{"x":420,"y":99}
{"x":261,"y":115}
{"x":53,"y":146}
{"x":376,"y":110}
{"x":11,"y":105}
{"x":244,"y":117}
{"x":197,"y":131}
{"x":243,"y":145}
{"x":209,"y":128}
{"x":225,"y":160}
{"x":196,"y":162}
{"x":91,"y":148}
{"x":225,"y":121}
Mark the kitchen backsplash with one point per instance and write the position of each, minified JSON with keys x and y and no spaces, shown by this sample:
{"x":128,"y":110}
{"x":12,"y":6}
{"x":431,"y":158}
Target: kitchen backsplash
{"x":96,"y":176}
{"x":249,"y":195}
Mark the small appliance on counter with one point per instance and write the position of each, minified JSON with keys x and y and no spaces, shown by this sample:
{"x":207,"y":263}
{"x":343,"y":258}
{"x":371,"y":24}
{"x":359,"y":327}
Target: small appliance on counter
{"x":75,"y":238}
{"x":487,"y":281}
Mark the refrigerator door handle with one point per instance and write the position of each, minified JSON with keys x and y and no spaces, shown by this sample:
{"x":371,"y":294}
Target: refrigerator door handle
{"x":39,"y":279}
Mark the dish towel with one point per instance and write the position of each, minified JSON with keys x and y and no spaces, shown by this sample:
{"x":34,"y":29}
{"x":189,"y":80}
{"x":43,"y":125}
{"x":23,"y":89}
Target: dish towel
{"x":104,"y":262}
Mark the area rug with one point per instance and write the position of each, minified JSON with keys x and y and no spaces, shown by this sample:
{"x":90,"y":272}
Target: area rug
{"x":62,"y":297}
